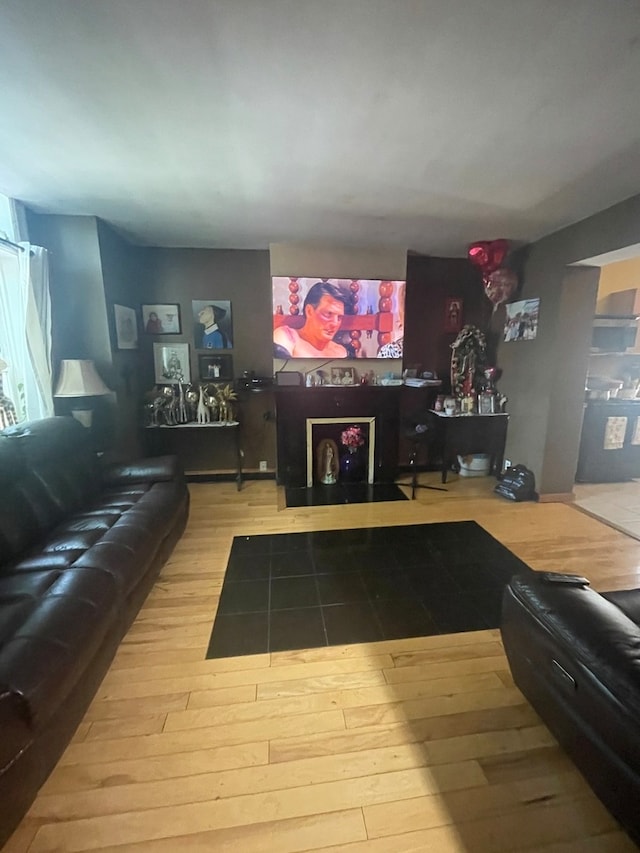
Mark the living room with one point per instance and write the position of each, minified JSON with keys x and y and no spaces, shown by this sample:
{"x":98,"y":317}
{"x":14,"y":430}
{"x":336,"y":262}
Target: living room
{"x":190,"y":155}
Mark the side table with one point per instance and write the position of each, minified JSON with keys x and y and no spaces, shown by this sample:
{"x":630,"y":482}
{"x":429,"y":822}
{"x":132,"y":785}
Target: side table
{"x":464,"y":434}
{"x":233,"y":426}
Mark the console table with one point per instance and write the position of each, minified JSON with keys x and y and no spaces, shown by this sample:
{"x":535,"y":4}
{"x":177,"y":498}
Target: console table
{"x":214,"y":428}
{"x":464,"y":434}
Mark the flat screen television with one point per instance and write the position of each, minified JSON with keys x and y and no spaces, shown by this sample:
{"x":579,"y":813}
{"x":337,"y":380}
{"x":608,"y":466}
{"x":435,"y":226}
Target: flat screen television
{"x":337,"y":317}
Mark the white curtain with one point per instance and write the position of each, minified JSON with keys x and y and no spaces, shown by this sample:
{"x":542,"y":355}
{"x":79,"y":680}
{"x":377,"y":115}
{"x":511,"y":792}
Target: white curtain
{"x":25,"y":330}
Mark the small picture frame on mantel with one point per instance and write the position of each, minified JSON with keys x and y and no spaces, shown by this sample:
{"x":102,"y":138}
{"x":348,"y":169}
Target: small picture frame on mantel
{"x":343,"y":376}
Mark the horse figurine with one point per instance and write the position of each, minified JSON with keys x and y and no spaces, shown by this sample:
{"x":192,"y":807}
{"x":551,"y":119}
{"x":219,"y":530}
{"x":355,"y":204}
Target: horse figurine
{"x":203,"y":412}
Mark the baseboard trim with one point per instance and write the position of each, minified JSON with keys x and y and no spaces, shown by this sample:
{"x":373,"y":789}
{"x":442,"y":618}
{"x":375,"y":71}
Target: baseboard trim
{"x":559,"y":498}
{"x":228,"y":477}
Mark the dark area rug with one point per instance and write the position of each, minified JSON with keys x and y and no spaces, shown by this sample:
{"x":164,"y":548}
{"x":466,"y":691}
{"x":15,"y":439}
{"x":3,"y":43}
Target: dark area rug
{"x":343,"y":493}
{"x":303,"y":590}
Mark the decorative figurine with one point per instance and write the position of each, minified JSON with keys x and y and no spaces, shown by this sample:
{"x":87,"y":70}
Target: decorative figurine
{"x":327,"y":463}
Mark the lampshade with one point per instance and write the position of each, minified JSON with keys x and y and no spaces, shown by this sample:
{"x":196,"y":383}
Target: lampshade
{"x":79,"y":378}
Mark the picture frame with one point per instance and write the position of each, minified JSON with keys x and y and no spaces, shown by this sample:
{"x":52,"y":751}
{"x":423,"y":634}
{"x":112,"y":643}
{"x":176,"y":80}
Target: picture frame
{"x":343,"y":376}
{"x":521,"y":320}
{"x":215,"y":368}
{"x":126,"y":326}
{"x":212,"y":324}
{"x":486,"y":404}
{"x":171,"y":364}
{"x":453,"y":306}
{"x":161,"y":319}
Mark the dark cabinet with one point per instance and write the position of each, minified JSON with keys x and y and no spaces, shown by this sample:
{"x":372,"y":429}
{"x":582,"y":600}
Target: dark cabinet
{"x":295,"y":405}
{"x":609,"y":442}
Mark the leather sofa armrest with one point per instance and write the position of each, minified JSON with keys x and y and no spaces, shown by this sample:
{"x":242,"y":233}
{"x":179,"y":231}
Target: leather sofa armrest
{"x":599,"y":636}
{"x":153,"y":469}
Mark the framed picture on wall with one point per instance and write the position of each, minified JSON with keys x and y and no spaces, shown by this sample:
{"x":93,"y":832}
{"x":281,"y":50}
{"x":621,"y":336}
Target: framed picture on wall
{"x":452,"y":314}
{"x":171,"y":363}
{"x":212,"y":326}
{"x":215,"y":368}
{"x":521,"y":321}
{"x":126,"y":327}
{"x":161,"y":319}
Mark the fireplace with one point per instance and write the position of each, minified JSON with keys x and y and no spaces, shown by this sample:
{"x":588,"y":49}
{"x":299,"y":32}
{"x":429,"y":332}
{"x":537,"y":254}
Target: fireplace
{"x":314,"y":436}
{"x":329,"y":409}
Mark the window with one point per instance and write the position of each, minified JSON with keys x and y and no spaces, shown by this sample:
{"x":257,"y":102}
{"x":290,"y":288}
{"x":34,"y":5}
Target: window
{"x":25,"y":325}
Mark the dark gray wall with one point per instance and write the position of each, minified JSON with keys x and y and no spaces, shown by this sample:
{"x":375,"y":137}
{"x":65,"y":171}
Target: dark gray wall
{"x":244,"y":279}
{"x":544,"y":378}
{"x":124,"y":268}
{"x":80,"y":328}
{"x":79,"y":321}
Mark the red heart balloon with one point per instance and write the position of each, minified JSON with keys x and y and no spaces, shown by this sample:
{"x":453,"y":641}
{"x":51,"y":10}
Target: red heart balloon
{"x":478,"y":254}
{"x":498,"y":253}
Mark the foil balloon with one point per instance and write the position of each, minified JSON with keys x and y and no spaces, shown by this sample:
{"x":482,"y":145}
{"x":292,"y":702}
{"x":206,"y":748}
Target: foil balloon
{"x":489,"y":255}
{"x":500,"y":285}
{"x":498,"y":250}
{"x":478,"y":254}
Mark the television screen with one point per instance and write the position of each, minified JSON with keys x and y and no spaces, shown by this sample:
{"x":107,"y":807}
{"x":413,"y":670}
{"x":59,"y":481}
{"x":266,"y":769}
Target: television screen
{"x":337,"y":317}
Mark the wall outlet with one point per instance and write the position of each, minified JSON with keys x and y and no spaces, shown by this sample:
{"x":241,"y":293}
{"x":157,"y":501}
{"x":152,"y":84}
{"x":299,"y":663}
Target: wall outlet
{"x":507,"y":464}
{"x":263,"y":464}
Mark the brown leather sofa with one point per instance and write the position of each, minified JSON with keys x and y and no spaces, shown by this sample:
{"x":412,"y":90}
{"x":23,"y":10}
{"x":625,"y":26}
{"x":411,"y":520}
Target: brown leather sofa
{"x":575,"y":654}
{"x":80,"y":547}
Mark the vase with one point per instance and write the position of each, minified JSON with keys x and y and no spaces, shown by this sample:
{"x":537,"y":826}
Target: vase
{"x":353,"y":465}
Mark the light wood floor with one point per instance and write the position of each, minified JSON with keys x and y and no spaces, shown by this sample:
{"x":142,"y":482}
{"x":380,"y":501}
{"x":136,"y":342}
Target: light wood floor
{"x":405,"y":745}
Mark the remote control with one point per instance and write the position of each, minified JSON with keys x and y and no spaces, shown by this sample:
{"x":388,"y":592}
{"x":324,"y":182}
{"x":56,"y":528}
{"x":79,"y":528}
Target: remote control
{"x":569,"y":580}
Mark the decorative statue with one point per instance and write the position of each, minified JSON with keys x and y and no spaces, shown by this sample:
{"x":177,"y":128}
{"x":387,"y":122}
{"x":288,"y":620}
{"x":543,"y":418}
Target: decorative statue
{"x":211,"y":401}
{"x":225,"y":394}
{"x":182,"y":405}
{"x":468,"y":360}
{"x":192,"y":403}
{"x":203,"y":412}
{"x":327,"y":464}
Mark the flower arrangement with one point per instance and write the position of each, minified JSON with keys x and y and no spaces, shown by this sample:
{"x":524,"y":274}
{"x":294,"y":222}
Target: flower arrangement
{"x":352,"y":437}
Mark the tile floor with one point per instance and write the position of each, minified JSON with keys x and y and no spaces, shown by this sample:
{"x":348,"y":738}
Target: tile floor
{"x":617,"y":504}
{"x":304,"y":590}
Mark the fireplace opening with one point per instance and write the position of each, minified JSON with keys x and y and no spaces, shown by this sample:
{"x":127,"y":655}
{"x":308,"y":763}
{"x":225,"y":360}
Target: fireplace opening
{"x":327,"y":431}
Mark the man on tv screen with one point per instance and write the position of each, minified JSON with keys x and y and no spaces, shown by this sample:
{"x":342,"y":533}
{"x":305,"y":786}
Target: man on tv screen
{"x":323,"y":310}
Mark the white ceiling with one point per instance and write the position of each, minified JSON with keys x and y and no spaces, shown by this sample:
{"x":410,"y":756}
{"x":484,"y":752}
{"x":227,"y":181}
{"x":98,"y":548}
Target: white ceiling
{"x":235,"y":123}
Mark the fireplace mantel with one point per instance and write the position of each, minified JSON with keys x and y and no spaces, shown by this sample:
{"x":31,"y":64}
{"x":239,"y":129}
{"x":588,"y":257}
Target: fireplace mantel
{"x":294,"y":405}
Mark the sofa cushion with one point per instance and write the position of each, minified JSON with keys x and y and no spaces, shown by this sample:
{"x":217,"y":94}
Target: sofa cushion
{"x":125,"y":565}
{"x":44,"y":657}
{"x":41,"y":561}
{"x":57,"y":452}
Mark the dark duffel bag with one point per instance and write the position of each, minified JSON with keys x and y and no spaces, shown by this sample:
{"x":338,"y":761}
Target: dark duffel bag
{"x":517,"y":484}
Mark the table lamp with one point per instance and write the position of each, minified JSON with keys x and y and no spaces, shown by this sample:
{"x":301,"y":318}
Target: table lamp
{"x":79,"y":378}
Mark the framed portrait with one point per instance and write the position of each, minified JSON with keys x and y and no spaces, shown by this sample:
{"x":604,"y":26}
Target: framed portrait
{"x":452,"y":314}
{"x":161,"y":319}
{"x":212,"y":326}
{"x":126,"y":327}
{"x":215,"y":368}
{"x":343,"y":376}
{"x":171,"y":363}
